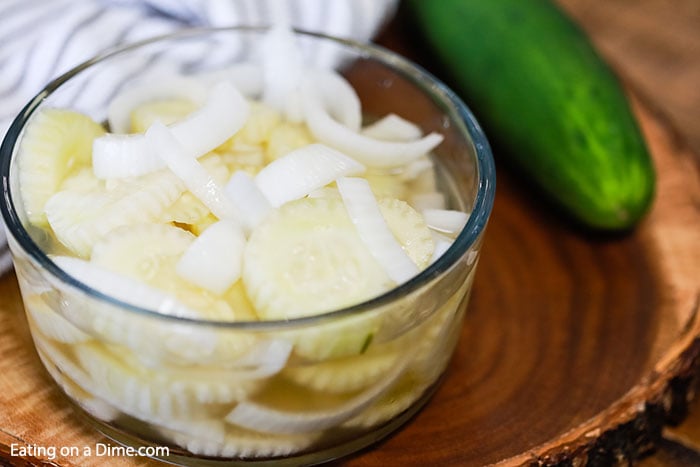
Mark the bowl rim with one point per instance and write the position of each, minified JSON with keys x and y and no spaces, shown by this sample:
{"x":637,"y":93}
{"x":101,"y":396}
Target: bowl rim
{"x":439,"y":91}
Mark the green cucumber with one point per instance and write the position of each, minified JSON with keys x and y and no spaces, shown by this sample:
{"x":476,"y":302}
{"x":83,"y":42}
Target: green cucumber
{"x":546,"y":97}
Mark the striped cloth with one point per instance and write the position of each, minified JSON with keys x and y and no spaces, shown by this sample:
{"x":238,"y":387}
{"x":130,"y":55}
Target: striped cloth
{"x":41,"y":39}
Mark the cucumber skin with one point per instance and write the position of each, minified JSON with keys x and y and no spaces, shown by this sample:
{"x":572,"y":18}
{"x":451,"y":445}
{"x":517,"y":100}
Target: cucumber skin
{"x":540,"y":89}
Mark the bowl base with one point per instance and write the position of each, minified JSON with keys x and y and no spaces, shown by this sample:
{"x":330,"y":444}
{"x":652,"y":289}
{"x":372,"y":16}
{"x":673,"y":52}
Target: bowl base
{"x":328,"y":454}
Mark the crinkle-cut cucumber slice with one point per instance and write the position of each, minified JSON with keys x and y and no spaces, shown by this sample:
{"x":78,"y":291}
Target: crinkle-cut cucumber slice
{"x":433,"y":344}
{"x":346,"y":374}
{"x":285,"y":138}
{"x":262,"y":120}
{"x":95,"y":406}
{"x":410,"y":229}
{"x":50,"y":323}
{"x":55,"y":143}
{"x":341,"y":337}
{"x":440,"y":333}
{"x":82,"y":179}
{"x":245,"y":157}
{"x":149,"y":253}
{"x":168,"y":111}
{"x":165,"y":391}
{"x":186,"y":210}
{"x":198,"y":423}
{"x":114,"y":323}
{"x":142,"y":251}
{"x":237,"y":298}
{"x":286,"y":409}
{"x":241,"y":443}
{"x":129,"y":385}
{"x":385,"y":184}
{"x":407,"y":390}
{"x":81,"y":217}
{"x":306,"y":258}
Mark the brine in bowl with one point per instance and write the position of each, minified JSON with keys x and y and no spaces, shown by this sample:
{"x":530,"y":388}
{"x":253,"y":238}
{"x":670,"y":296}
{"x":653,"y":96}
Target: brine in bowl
{"x":246,"y":245}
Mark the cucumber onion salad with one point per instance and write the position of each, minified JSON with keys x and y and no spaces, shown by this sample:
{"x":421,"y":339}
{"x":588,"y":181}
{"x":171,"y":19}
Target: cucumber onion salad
{"x":247,"y":194}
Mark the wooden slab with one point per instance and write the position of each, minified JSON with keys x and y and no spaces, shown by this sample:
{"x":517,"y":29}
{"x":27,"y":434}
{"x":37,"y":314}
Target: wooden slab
{"x":574,"y":346}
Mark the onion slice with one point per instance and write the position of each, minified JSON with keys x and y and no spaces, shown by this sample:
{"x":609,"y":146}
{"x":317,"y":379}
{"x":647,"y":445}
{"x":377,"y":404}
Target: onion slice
{"x":338,"y":97}
{"x":302,"y":171}
{"x":373,"y":229}
{"x":122,"y":287}
{"x":259,"y":417}
{"x":442,"y":244}
{"x":265,"y":359}
{"x":369,"y":151}
{"x":248,"y":199}
{"x":163,"y":143}
{"x":223,"y":114}
{"x":282,"y":68}
{"x":445,"y":220}
{"x":214,"y":259}
{"x":155,"y":88}
{"x":393,"y":128}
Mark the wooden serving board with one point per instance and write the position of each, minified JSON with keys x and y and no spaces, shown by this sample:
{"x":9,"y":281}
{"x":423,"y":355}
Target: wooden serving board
{"x":575,"y":346}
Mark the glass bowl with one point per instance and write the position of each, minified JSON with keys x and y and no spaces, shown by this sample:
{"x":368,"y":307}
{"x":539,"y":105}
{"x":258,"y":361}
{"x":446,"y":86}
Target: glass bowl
{"x":200,"y":392}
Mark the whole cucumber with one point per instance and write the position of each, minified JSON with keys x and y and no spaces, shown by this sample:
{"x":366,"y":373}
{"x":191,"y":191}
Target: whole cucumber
{"x":543,"y":93}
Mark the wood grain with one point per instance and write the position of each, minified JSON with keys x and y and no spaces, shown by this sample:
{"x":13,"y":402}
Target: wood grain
{"x":568,"y":336}
{"x":568,"y":339}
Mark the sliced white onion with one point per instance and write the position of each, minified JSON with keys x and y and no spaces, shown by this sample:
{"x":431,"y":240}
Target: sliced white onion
{"x":156,"y":87}
{"x":338,"y":98}
{"x":282,"y":66}
{"x":265,"y":359}
{"x":258,"y":417}
{"x":373,"y":229}
{"x":247,"y":77}
{"x":163,"y":143}
{"x":123,"y":156}
{"x":214,"y":259}
{"x":51,"y":323}
{"x":416,"y":168}
{"x":371,"y":152}
{"x":294,"y":107}
{"x":251,"y":203}
{"x":223,"y":114}
{"x":445,"y":220}
{"x":393,"y":128}
{"x":302,"y":171}
{"x":122,"y":287}
{"x":442,"y":244}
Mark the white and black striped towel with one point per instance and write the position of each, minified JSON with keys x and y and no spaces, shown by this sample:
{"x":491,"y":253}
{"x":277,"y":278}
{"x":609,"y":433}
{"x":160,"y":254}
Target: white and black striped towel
{"x":41,"y":39}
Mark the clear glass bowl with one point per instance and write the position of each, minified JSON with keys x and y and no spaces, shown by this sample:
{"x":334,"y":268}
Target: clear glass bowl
{"x":212,"y":392}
